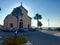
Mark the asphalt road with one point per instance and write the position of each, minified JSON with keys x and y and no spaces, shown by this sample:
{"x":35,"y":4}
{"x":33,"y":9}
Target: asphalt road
{"x":35,"y":37}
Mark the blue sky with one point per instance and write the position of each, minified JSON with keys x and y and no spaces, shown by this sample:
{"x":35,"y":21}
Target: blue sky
{"x":49,"y":9}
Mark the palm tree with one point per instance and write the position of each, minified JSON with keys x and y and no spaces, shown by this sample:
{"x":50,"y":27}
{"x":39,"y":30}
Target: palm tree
{"x":37,"y":17}
{"x":39,"y":24}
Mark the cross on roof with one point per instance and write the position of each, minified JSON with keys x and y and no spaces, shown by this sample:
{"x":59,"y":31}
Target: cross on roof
{"x":21,"y":3}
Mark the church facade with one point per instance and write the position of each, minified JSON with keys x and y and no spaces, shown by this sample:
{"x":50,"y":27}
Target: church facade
{"x":18,"y":18}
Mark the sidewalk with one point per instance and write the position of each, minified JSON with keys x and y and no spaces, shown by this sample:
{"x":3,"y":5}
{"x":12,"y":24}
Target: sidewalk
{"x":55,"y":33}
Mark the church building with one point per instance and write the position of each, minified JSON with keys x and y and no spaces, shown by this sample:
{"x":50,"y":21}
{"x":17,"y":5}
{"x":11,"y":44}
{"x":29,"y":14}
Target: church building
{"x":18,"y":18}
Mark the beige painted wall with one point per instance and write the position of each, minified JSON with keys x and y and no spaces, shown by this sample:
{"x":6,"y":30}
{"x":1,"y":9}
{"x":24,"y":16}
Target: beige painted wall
{"x":10,"y":19}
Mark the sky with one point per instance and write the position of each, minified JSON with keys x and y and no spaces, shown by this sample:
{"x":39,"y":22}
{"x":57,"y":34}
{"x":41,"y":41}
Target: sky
{"x":49,"y":9}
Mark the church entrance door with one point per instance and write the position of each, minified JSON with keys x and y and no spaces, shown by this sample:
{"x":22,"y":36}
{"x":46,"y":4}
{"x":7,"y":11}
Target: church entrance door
{"x":21,"y":24}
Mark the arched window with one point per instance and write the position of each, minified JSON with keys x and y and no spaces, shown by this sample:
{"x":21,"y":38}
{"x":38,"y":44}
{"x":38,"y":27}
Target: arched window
{"x":21,"y":20}
{"x":11,"y":25}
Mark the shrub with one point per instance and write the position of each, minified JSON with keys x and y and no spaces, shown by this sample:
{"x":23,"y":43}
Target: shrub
{"x":21,"y":39}
{"x":15,"y":40}
{"x":8,"y":41}
{"x":57,"y":29}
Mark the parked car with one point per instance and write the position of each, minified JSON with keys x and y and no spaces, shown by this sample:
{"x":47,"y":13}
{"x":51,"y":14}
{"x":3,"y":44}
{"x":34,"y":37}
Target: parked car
{"x":50,"y":29}
{"x":6,"y":30}
{"x":23,"y":29}
{"x":13,"y":29}
{"x":9,"y":29}
{"x":1,"y":28}
{"x":33,"y":29}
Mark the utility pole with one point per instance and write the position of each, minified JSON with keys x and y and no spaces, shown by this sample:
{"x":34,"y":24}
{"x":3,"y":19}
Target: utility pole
{"x":48,"y":23}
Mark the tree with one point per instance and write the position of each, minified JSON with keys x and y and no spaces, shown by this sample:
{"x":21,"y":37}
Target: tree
{"x":39,"y":24}
{"x":37,"y":17}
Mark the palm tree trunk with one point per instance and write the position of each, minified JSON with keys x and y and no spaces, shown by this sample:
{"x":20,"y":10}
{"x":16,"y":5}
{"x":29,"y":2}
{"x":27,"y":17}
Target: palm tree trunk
{"x":37,"y":23}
